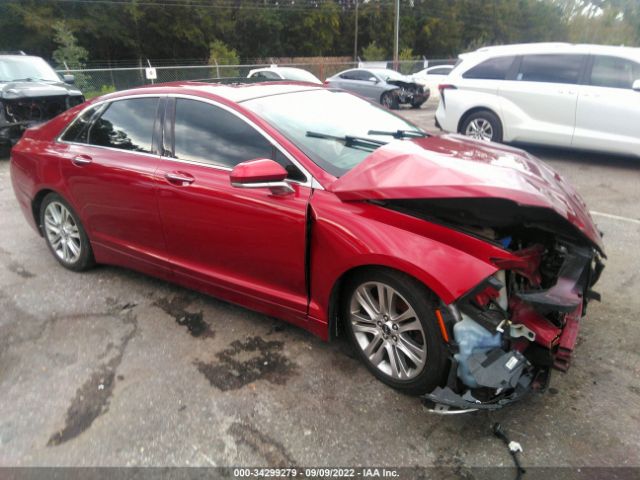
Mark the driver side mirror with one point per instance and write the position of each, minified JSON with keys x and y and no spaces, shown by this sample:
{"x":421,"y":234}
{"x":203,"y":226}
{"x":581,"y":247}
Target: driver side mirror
{"x":70,"y":79}
{"x":636,"y":86}
{"x":261,"y":173}
{"x":373,"y":79}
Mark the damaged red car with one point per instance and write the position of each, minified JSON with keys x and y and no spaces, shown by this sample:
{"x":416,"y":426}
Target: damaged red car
{"x":459,"y":270}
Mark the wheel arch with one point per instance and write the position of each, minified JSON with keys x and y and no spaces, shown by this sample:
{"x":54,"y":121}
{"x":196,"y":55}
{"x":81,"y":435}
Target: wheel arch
{"x":471,"y":111}
{"x":36,"y":203}
{"x":337,"y":292}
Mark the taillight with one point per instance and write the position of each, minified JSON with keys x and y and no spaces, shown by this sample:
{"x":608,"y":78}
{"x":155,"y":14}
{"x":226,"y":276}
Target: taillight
{"x":445,"y":86}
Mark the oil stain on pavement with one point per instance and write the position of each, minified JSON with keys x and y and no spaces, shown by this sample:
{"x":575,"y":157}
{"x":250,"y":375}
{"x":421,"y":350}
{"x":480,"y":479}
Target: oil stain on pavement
{"x":273,"y":452}
{"x":176,"y":308}
{"x":92,"y":398}
{"x":247,"y":361}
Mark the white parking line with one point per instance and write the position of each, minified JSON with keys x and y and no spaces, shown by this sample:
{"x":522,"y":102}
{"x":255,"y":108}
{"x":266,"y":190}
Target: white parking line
{"x":616,"y":217}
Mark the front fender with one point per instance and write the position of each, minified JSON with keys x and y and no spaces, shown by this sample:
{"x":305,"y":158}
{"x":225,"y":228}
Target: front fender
{"x":348,"y":235}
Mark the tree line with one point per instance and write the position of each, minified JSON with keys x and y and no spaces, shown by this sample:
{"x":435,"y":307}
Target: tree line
{"x":117,"y":30}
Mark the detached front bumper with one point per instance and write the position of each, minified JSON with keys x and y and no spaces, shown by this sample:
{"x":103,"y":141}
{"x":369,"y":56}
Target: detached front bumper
{"x":501,"y":354}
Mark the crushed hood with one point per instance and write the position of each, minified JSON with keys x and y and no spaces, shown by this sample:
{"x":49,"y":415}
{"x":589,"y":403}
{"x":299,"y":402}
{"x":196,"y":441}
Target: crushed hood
{"x":455,"y":167}
{"x":35,"y":89}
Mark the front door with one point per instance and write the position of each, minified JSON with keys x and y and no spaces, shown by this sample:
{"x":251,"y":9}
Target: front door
{"x":245,"y":245}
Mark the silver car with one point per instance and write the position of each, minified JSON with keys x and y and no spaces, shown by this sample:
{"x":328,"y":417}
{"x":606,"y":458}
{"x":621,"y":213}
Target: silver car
{"x":388,"y":87}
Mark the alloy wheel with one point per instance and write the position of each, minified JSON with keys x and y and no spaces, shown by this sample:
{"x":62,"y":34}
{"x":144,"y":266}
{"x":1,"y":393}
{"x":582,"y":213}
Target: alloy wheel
{"x":62,"y":232}
{"x":387,"y":329}
{"x":480,"y":129}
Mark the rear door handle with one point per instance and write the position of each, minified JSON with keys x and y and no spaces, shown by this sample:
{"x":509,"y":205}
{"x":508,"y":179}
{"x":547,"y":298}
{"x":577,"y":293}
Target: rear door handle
{"x":81,"y":160}
{"x":179,"y":178}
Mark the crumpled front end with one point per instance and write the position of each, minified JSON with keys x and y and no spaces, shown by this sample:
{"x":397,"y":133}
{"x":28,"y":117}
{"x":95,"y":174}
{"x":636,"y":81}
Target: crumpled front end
{"x":410,"y":92}
{"x":509,"y":332}
{"x":18,"y":114}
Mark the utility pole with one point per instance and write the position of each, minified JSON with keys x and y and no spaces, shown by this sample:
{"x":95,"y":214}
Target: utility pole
{"x":396,"y":36}
{"x":355,"y":37}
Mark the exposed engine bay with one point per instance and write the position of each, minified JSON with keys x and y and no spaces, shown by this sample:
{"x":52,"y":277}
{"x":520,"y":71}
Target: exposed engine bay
{"x":410,"y":93}
{"x":20,"y":113}
{"x":508,"y":332}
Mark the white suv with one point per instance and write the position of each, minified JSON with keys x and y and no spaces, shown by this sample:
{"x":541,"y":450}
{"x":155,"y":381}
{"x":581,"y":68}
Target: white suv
{"x":577,"y":96}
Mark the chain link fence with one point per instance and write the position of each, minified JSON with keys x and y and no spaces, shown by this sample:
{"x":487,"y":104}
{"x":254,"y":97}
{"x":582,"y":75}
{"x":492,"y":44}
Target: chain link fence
{"x":99,"y":81}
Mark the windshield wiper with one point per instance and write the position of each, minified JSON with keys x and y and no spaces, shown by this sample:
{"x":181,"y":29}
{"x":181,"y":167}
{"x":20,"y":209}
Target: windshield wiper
{"x":349,"y":140}
{"x":400,"y":133}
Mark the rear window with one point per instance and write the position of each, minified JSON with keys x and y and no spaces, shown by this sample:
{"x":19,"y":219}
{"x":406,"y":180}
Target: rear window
{"x":77,"y":131}
{"x":550,"y":68}
{"x":126,"y":125}
{"x":614,"y":72}
{"x":492,"y":69}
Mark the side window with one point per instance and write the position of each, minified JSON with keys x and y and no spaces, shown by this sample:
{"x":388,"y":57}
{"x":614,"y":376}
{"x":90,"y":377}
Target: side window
{"x":440,"y":71}
{"x":126,"y":125}
{"x":362,"y":75}
{"x":208,"y":134}
{"x":266,"y":75}
{"x":350,"y":75}
{"x":77,"y":131}
{"x":491,"y":69}
{"x":614,"y":72}
{"x":551,"y":68}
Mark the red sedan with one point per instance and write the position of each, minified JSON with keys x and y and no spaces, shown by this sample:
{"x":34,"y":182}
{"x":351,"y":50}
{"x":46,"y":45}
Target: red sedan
{"x":460,"y":270}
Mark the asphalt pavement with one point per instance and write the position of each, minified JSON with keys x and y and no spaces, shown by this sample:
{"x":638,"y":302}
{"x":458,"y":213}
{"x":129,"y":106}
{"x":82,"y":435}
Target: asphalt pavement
{"x":114,"y":368}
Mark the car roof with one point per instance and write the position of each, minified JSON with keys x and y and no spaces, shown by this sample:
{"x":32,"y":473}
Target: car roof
{"x":12,"y":55}
{"x":237,"y":93}
{"x":556,"y":47}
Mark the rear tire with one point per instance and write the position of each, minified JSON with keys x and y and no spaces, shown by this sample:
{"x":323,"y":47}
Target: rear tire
{"x":65,"y":236}
{"x":398,"y":340}
{"x":482,"y":125}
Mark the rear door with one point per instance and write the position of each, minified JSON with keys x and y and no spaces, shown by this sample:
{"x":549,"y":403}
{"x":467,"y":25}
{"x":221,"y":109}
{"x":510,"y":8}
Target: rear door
{"x":539,"y":99}
{"x":109,"y":168}
{"x":245,"y":245}
{"x":362,"y":82}
{"x":608,"y":113}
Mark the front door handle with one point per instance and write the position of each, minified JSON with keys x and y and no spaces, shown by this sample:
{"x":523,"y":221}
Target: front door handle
{"x":80,"y":160}
{"x":179,"y":178}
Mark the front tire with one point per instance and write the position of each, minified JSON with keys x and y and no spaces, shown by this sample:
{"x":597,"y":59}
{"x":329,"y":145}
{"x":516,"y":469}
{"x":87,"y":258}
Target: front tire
{"x":389,"y":318}
{"x":389,"y":100}
{"x":482,"y":125}
{"x":66,"y":238}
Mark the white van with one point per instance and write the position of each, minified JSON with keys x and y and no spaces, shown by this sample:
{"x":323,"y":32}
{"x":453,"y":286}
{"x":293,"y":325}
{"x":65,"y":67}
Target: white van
{"x":559,"y":94}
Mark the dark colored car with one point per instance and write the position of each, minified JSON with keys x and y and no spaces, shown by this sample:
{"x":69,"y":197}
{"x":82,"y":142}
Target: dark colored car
{"x":387,"y":87}
{"x":459,"y":270}
{"x":31,"y":92}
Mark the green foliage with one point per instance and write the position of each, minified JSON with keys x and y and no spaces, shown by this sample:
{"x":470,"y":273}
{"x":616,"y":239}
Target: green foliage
{"x":68,"y":54}
{"x":406,"y":57}
{"x":186,"y":31}
{"x":221,"y":54}
{"x":104,"y":89}
{"x":373,"y":52}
